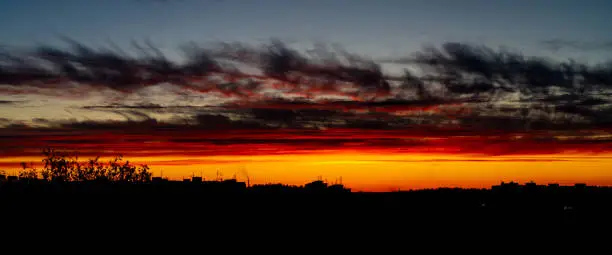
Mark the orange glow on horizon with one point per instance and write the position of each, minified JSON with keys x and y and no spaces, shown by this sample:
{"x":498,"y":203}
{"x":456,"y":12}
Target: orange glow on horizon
{"x":368,"y":160}
{"x":380,"y":172}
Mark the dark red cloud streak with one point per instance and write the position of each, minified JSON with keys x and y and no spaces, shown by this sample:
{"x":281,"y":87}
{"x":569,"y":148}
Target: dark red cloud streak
{"x":197,"y":142}
{"x":183,"y":162}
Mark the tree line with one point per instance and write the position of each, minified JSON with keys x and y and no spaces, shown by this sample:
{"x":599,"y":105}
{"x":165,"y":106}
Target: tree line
{"x":64,"y":167}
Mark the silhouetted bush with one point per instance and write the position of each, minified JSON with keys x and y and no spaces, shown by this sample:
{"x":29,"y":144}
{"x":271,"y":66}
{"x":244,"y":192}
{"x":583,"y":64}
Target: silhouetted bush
{"x":62,"y":167}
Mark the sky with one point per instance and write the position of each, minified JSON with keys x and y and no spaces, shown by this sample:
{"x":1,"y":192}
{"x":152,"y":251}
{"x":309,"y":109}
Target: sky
{"x":496,"y":99}
{"x":372,"y":27}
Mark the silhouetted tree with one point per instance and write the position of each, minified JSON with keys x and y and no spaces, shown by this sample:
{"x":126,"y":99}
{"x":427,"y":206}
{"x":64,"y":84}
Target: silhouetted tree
{"x":29,"y":173}
{"x":61,"y":167}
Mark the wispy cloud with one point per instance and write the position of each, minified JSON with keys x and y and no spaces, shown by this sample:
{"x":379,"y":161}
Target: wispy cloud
{"x":561,"y":44}
{"x":8,"y":102}
{"x":451,"y":91}
{"x":156,"y":139}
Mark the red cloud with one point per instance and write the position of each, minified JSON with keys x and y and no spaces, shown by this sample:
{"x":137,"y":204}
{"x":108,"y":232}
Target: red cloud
{"x":196,"y":142}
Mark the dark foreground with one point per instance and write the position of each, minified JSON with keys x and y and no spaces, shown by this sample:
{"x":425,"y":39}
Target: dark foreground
{"x":232,"y":204}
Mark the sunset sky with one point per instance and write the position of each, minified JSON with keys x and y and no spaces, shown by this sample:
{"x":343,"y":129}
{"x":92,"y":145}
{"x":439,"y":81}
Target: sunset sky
{"x":381,"y":95}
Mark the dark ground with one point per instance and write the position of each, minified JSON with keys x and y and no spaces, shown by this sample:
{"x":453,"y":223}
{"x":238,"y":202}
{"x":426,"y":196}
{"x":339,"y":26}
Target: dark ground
{"x":232,"y":204}
{"x":229,"y":216}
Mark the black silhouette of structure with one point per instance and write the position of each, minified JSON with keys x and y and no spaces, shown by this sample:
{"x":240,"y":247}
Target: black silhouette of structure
{"x":228,"y":203}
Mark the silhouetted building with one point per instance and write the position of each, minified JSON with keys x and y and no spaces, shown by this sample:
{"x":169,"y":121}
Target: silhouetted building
{"x":316,"y":185}
{"x":339,"y":188}
{"x":506,"y":186}
{"x":12,"y":178}
{"x":233,"y":183}
{"x":196,"y":179}
{"x":532,"y":187}
{"x":580,"y":185}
